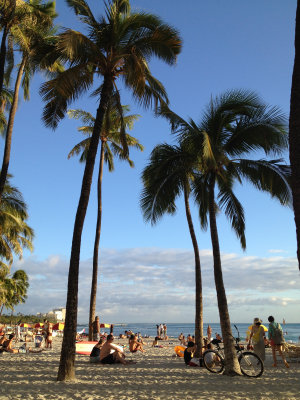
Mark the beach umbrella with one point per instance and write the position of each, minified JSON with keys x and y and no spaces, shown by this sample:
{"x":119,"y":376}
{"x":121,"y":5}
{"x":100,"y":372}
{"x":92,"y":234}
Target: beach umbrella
{"x":59,"y":326}
{"x":104,"y":325}
{"x":24,"y":325}
{"x":39,"y":325}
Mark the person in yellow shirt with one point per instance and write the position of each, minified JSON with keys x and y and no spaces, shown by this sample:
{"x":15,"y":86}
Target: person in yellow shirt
{"x":257,"y":336}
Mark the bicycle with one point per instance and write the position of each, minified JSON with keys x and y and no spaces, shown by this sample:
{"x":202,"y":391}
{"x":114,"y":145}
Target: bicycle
{"x":250,"y":363}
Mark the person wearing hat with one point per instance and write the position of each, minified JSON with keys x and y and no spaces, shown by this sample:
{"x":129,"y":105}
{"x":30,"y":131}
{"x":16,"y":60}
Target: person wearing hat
{"x":257,"y":337}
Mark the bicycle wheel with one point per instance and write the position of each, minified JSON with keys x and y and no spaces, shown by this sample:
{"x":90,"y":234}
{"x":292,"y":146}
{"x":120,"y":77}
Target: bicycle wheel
{"x":213,"y":361}
{"x":251,"y":365}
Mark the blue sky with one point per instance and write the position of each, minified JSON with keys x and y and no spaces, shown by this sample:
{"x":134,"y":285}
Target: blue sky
{"x":226,"y":45}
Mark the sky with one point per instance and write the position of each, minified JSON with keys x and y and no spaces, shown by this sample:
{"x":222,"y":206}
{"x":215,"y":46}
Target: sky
{"x":147,"y":272}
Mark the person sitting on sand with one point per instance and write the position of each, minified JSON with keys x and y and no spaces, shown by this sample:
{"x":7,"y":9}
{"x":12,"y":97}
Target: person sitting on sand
{"x":106,"y":357}
{"x":7,"y":345}
{"x":3,"y":338}
{"x":219,"y":337}
{"x":155,"y":342}
{"x":134,"y":345}
{"x":183,"y":341}
{"x":95,"y":353}
{"x":189,"y":353}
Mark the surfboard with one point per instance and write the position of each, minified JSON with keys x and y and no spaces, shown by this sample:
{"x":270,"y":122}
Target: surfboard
{"x":86,"y":347}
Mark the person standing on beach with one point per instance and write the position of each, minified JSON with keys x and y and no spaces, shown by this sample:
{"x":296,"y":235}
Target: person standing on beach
{"x":165,"y":331}
{"x":96,"y":329}
{"x":276,"y":339}
{"x":258,"y":338}
{"x":49,"y":336}
{"x":209,"y":333}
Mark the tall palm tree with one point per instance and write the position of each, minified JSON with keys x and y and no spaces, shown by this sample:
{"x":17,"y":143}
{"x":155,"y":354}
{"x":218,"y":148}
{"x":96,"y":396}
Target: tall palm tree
{"x":110,"y":138}
{"x":29,"y":40}
{"x":14,"y":16}
{"x":118,"y":45}
{"x":294,"y":131}
{"x":234,"y":125}
{"x":166,"y":177}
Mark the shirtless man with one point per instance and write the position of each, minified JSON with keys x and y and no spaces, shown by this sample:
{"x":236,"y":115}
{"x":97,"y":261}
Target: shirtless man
{"x":134,"y":345}
{"x":106,"y":357}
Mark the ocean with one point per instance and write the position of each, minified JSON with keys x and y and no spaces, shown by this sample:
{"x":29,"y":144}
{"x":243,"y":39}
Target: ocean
{"x":291,"y":331}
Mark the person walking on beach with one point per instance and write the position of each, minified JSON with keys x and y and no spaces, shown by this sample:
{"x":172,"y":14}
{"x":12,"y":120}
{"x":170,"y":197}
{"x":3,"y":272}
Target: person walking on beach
{"x":257,"y":336}
{"x":277,"y":340}
{"x":96,"y":329}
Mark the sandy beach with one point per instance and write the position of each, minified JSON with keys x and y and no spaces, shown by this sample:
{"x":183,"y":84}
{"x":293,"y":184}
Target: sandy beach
{"x":157,"y":374}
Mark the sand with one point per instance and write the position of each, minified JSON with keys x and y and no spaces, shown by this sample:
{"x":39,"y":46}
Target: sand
{"x":156,"y":375}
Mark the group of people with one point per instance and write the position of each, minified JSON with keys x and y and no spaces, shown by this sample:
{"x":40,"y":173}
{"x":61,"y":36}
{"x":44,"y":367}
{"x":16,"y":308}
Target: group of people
{"x":276,"y":339}
{"x":8,"y":340}
{"x":161,"y":331}
{"x":106,"y":352}
{"x":257,"y":341}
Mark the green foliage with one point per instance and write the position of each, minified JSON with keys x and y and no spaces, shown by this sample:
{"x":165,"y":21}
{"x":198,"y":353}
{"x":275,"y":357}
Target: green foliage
{"x":29,"y":319}
{"x":110,"y":135}
{"x":15,"y":234}
{"x":118,"y":45}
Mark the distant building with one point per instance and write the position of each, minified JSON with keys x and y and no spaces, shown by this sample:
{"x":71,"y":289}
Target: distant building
{"x":59,"y":314}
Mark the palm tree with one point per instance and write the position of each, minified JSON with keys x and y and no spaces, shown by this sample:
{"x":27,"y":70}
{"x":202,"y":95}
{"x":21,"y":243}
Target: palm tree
{"x":110,"y":145}
{"x":15,"y":15}
{"x":15,"y":288}
{"x":29,"y":39}
{"x":15,"y":234}
{"x":294,"y":131}
{"x":233,"y":125}
{"x":118,"y":45}
{"x":165,"y":178}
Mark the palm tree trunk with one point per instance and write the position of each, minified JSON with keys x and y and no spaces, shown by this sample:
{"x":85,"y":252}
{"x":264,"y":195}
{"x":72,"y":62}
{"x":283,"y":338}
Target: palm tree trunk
{"x":198,"y":281}
{"x":10,"y":125}
{"x":231,"y":362}
{"x":294,"y":131}
{"x":66,"y":369}
{"x":96,"y":244}
{"x":3,"y":56}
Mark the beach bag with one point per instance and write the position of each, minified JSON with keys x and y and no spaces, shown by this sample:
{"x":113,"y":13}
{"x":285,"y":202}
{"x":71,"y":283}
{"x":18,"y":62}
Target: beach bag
{"x":277,"y":335}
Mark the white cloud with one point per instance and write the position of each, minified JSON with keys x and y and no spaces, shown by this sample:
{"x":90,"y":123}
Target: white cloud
{"x":276,"y":251}
{"x":150,"y":284}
